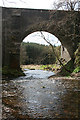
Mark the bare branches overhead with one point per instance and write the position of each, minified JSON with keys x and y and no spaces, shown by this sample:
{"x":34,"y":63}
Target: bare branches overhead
{"x":67,"y":5}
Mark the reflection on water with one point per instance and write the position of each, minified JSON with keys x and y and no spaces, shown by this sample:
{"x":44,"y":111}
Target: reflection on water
{"x":29,"y":99}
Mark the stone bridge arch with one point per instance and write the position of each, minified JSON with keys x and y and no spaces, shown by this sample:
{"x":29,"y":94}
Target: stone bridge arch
{"x":18,"y":23}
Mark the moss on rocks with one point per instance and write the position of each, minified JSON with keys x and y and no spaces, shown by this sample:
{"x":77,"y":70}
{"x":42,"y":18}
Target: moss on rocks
{"x":11,"y":73}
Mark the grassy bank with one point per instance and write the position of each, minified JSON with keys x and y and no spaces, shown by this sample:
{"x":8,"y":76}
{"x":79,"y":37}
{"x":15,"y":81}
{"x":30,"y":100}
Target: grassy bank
{"x":52,"y":67}
{"x":58,"y":69}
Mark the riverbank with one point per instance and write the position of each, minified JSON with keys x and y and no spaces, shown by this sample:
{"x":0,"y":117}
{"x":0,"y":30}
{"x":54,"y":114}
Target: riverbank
{"x":64,"y":78}
{"x":72,"y":76}
{"x":54,"y":68}
{"x":11,"y":73}
{"x":31,"y":67}
{"x":50,"y":67}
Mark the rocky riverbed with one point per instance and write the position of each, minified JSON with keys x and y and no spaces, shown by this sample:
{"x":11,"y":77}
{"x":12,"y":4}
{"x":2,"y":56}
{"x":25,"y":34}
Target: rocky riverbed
{"x":34,"y":96}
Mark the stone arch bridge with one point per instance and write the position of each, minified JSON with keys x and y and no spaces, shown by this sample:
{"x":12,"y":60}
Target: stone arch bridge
{"x":17,"y":23}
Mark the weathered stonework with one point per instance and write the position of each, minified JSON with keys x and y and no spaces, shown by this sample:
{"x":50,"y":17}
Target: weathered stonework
{"x":17,"y":23}
{"x":0,"y":39}
{"x":64,"y":54}
{"x":1,"y":63}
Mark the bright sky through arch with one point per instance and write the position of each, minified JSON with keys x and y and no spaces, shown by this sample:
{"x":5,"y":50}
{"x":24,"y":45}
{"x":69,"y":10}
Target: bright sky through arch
{"x":36,"y":38}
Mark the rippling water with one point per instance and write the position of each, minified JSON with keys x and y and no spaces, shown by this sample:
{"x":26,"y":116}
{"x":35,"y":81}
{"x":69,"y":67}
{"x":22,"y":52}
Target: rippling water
{"x":37,"y":74}
{"x":34,"y":96}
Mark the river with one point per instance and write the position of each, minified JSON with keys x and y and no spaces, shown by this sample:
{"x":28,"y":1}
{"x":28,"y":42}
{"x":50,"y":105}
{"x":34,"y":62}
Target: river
{"x":34,"y":96}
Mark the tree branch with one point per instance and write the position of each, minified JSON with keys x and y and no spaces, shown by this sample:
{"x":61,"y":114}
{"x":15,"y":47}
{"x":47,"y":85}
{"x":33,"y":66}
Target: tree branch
{"x":54,"y":52}
{"x":70,"y":5}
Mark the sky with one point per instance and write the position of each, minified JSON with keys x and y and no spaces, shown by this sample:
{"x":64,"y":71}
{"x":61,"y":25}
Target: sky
{"x":33,"y":4}
{"x":38,"y":4}
{"x":36,"y":37}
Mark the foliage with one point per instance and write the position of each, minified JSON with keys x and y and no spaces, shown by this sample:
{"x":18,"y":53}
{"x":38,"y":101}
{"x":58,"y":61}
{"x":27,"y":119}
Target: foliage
{"x":77,"y":56}
{"x":54,"y":52}
{"x":77,"y":60}
{"x":77,"y":69}
{"x":69,"y":66}
{"x":33,"y":53}
{"x":52,"y":67}
{"x":46,"y":67}
{"x":73,"y":66}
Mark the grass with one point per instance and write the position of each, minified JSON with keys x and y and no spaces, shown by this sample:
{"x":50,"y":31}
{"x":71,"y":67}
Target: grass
{"x":77,"y":69}
{"x":30,"y":67}
{"x":52,"y":67}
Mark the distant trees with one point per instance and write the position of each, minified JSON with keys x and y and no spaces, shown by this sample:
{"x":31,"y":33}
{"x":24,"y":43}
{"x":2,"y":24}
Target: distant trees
{"x":40,"y":54}
{"x":33,"y":53}
{"x":55,"y":51}
{"x":70,"y":5}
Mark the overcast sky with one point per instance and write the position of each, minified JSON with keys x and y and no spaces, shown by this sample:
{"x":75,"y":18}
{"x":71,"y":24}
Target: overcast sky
{"x":36,"y":4}
{"x":36,"y":37}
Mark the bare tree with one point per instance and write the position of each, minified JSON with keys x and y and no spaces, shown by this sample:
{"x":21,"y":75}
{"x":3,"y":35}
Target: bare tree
{"x":42,"y":35}
{"x":70,"y":5}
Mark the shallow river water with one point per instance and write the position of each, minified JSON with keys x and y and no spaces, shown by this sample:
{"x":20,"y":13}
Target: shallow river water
{"x":34,"y":96}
